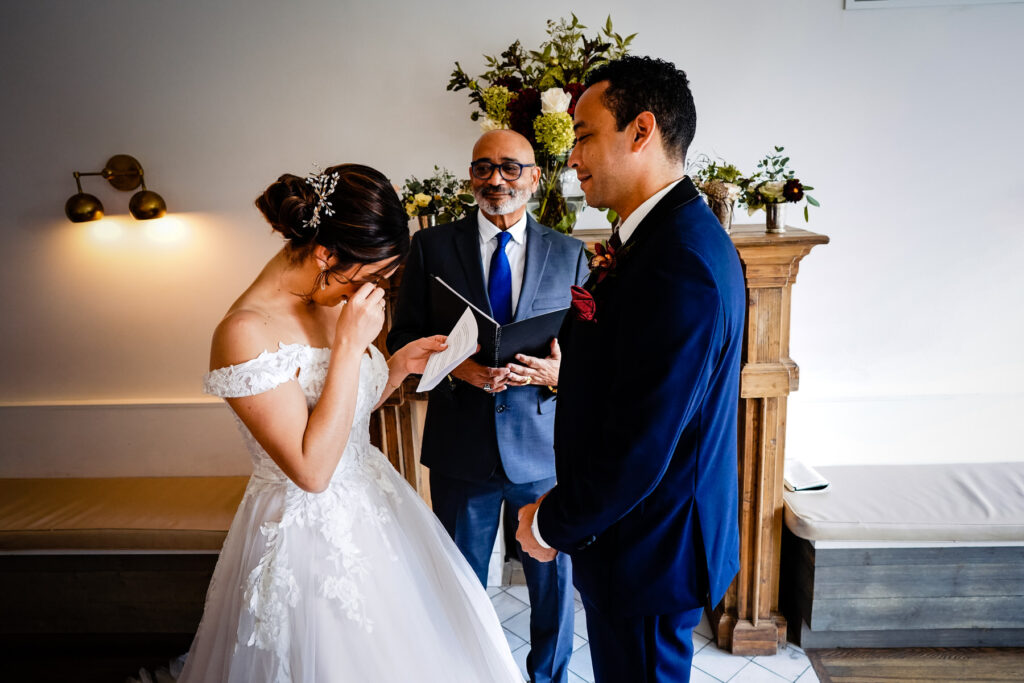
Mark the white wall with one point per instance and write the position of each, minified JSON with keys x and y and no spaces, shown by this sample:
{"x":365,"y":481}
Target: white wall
{"x":907,"y":122}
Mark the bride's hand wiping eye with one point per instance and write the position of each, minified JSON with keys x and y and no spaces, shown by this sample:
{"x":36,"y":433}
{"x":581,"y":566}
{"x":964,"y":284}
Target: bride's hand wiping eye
{"x":362,"y":318}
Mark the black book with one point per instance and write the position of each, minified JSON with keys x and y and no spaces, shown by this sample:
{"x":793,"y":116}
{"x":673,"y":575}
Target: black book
{"x":499,"y":344}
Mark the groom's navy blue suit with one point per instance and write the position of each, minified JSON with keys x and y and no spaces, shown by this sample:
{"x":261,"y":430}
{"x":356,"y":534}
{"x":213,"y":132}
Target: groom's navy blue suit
{"x":645,"y":435}
{"x":482,"y":448}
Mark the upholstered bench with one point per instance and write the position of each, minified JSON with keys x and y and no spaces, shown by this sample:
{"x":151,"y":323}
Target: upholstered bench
{"x":110,"y":556}
{"x":906,"y":555}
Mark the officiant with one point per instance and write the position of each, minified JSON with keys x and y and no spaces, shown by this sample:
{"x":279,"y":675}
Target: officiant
{"x":489,"y":432}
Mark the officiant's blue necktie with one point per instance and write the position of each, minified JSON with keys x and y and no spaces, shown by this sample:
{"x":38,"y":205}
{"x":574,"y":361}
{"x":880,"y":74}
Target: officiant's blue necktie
{"x":499,"y":282}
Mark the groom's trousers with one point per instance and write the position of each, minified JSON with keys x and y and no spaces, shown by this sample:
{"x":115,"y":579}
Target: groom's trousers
{"x":641,"y":649}
{"x":470,"y":511}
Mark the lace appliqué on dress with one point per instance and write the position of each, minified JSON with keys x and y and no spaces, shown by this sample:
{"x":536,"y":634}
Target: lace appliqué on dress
{"x":271,"y":589}
{"x":268,"y":370}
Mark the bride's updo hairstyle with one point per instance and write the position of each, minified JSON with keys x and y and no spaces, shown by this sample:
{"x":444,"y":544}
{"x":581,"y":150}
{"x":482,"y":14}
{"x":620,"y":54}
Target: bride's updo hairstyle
{"x":366,"y":222}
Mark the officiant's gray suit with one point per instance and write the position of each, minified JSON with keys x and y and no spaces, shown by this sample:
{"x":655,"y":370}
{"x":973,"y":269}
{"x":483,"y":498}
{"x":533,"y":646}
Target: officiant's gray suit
{"x":483,"y":448}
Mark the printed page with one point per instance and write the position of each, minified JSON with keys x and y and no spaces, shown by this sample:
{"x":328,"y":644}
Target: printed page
{"x":461,"y":345}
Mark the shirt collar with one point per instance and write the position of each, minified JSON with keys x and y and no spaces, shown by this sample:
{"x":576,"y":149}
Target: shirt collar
{"x":629,"y":225}
{"x":488,"y":230}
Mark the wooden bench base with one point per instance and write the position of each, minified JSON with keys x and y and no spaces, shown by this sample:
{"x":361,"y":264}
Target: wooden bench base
{"x":116,"y":593}
{"x":894,"y":595}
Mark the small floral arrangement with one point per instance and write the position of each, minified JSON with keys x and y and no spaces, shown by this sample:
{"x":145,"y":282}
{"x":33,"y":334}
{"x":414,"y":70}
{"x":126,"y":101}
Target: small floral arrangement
{"x":442,"y":195}
{"x":534,"y":92}
{"x":719,"y":181}
{"x":774,"y":183}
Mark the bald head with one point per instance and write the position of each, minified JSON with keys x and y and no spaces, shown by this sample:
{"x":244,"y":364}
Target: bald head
{"x":499,"y":145}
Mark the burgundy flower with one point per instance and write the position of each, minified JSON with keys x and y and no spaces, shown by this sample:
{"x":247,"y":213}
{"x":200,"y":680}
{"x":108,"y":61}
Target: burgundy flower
{"x":513,"y":83}
{"x":523,"y":110}
{"x":575,"y":90}
{"x":603,"y":259}
{"x":583,"y":305}
{"x":793,"y":191}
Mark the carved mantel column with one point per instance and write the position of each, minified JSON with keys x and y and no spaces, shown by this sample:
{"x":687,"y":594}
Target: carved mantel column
{"x":748,"y":621}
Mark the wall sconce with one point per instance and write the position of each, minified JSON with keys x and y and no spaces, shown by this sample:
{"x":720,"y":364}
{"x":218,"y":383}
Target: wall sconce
{"x":124,"y":173}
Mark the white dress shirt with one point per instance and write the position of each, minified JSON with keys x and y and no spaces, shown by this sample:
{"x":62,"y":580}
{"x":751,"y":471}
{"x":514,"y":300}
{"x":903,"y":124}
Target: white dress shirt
{"x":640,"y":213}
{"x":625,"y":232}
{"x":515,"y":250}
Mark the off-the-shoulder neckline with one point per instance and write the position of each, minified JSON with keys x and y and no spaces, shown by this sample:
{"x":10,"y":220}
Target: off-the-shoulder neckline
{"x":281,"y":348}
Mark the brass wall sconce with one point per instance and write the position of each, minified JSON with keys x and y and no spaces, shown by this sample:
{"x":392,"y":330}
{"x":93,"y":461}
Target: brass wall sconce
{"x":124,"y":173}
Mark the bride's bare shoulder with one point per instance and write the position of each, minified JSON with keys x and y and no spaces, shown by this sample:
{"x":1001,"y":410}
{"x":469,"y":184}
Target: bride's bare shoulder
{"x":243,"y":334}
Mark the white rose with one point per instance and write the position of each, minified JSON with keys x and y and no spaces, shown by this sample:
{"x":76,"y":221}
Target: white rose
{"x":772,"y":190}
{"x":554,"y":101}
{"x":487,"y":124}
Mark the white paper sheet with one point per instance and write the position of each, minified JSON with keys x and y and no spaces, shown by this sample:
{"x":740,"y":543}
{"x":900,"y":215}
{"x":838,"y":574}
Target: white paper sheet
{"x":461,"y":345}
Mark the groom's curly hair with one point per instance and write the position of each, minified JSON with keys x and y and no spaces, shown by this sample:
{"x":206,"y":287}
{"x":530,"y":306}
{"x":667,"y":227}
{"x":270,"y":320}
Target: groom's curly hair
{"x":639,"y":84}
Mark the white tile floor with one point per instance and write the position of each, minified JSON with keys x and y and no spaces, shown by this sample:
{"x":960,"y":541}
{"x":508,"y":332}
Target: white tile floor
{"x":710,"y":665}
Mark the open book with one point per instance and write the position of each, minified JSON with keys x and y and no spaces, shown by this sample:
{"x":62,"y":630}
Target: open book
{"x":499,"y":344}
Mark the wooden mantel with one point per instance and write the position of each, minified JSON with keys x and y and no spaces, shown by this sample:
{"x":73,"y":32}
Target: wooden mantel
{"x":748,"y":621}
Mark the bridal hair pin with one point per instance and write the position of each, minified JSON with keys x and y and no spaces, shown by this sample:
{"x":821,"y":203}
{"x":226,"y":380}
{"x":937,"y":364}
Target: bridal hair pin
{"x":323,"y":184}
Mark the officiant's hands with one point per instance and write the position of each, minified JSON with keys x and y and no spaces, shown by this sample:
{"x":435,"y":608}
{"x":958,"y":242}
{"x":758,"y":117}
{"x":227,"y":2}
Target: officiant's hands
{"x":524,"y":534}
{"x":491,"y":380}
{"x":540,"y":371}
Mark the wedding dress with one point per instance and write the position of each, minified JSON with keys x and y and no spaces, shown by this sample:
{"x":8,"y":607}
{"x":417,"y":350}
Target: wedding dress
{"x":357,"y":583}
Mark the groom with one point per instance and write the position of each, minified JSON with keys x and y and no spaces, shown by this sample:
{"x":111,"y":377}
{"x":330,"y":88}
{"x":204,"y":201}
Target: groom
{"x":645,"y":433}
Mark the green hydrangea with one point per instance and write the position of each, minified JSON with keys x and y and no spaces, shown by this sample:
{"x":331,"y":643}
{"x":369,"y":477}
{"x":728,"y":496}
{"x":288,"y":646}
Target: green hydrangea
{"x":554,"y":131}
{"x":496,"y":99}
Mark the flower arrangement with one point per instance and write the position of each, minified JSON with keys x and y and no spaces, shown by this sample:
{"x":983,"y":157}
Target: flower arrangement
{"x":774,"y":183}
{"x":721,"y":184}
{"x":441,"y":195}
{"x":719,"y":181}
{"x":534,"y":92}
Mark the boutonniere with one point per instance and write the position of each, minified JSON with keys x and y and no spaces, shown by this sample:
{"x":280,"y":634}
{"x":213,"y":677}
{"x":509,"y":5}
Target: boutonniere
{"x":583,"y":305}
{"x":603,"y":260}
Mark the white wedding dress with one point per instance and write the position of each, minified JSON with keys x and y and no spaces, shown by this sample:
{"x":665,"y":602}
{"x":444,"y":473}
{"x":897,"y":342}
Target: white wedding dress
{"x":359,"y":583}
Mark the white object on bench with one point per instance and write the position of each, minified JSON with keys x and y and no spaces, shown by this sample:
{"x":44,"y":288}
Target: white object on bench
{"x":905,"y":556}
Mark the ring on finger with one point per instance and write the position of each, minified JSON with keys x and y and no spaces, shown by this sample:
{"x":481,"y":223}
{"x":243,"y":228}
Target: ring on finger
{"x":527,"y":380}
{"x":487,"y":387}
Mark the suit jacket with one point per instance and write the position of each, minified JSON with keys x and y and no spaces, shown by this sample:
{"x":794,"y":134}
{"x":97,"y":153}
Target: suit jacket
{"x":468,"y":430}
{"x":645,"y":436}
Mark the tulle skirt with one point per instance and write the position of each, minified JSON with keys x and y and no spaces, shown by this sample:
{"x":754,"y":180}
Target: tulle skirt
{"x":359,"y":583}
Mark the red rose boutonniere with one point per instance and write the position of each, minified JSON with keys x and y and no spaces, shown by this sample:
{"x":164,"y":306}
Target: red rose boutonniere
{"x":603,"y":260}
{"x":583,"y":305}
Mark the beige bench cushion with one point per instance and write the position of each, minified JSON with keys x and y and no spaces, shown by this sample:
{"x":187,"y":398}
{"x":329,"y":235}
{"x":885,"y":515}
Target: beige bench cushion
{"x":144,"y":513}
{"x":962,"y":502}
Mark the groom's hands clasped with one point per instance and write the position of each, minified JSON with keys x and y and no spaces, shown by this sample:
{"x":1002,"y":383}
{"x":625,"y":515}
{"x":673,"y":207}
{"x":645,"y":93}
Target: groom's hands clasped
{"x":524,"y":534}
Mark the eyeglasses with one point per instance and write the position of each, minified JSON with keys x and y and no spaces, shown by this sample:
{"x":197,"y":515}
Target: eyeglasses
{"x":509,"y":170}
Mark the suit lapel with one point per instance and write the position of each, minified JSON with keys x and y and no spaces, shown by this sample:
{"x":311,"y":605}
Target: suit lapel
{"x":467,"y":246}
{"x":683,"y":193}
{"x":537,"y":248}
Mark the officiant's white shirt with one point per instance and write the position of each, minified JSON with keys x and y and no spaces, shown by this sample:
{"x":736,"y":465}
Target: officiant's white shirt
{"x":625,"y":232}
{"x":515,"y":250}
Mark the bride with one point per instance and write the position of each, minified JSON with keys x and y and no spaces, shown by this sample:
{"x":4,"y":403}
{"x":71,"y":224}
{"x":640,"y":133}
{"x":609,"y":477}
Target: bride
{"x":333,"y":569}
